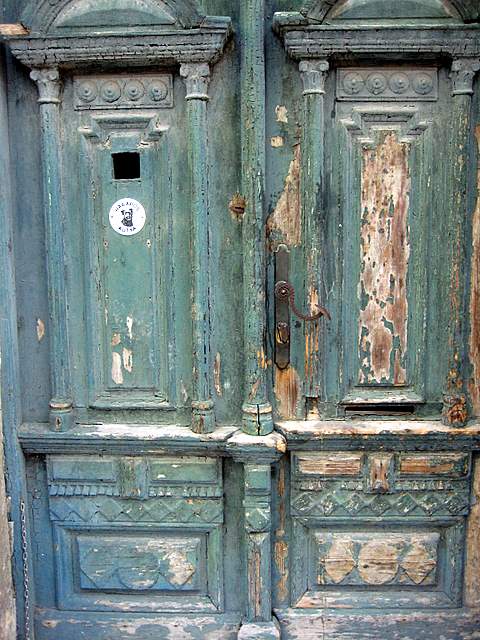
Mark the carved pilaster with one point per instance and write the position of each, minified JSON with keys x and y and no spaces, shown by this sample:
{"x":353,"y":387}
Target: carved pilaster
{"x":455,"y":402}
{"x":463,"y":75}
{"x":257,"y":416}
{"x":196,"y":77}
{"x":257,"y":454}
{"x":49,"y":85}
{"x":257,"y":512}
{"x":49,"y":91}
{"x":314,"y":74}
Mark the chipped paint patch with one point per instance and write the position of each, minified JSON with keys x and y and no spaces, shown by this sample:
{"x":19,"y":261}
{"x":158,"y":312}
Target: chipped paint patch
{"x":130,"y":327}
{"x":280,"y":554}
{"x":475,"y":297}
{"x":384,"y":254}
{"x":312,"y":344}
{"x":287,"y":391}
{"x":262,"y":360}
{"x":276,"y":141}
{"x":281,"y":113}
{"x":237,"y":206}
{"x":253,"y":391}
{"x":127,"y":357}
{"x":217,"y":374}
{"x":116,"y":339}
{"x":181,"y":569}
{"x":285,"y":222}
{"x":117,"y":374}
{"x":40,"y":329}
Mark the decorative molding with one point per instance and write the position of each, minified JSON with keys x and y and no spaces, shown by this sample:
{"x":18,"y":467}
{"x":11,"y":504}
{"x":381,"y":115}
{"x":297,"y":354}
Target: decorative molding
{"x":463,"y":75}
{"x":48,"y":83}
{"x":127,"y":92}
{"x":439,"y":486}
{"x":334,"y":503}
{"x":197,"y":78}
{"x":386,"y":83}
{"x":319,"y":9}
{"x":307,"y":39}
{"x":202,"y":44}
{"x":365,"y":121}
{"x":45,"y":16}
{"x":314,"y":75}
{"x":101,"y":509}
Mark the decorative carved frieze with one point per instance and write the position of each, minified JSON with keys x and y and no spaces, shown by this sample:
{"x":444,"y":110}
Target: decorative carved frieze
{"x":388,"y":485}
{"x":105,"y":509}
{"x":128,"y":92}
{"x":387,"y":83}
{"x":356,"y":504}
{"x":202,"y":44}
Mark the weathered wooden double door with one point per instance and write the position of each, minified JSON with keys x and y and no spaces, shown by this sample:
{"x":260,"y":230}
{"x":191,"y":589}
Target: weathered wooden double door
{"x":241,"y":299}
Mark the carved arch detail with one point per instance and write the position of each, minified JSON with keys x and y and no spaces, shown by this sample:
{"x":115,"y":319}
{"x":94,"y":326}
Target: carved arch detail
{"x":454,"y":10}
{"x":50,"y":17}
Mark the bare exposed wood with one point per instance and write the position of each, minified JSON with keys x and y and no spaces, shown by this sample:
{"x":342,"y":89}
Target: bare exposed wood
{"x":287,"y":391}
{"x":451,"y":464}
{"x":16,"y":29}
{"x":284,"y":225}
{"x":332,"y":464}
{"x":475,"y":297}
{"x":385,"y":252}
{"x":379,"y":473}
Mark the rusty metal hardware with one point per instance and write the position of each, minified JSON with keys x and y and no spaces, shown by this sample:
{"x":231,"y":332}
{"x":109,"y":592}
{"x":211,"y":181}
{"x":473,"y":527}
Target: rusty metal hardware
{"x":285,"y":292}
{"x":282,"y":334}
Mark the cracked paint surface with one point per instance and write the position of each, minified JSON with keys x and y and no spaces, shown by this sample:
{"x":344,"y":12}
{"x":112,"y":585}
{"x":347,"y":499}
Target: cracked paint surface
{"x":475,"y":298}
{"x":384,"y":254}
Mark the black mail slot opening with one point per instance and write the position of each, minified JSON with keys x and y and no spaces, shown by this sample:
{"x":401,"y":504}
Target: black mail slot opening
{"x":126,"y":166}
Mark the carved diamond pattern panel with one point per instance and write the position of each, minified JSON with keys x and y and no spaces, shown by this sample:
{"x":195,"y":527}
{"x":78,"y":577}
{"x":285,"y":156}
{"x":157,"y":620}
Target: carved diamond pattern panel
{"x":340,"y":503}
{"x":139,"y":563}
{"x":376,"y":558}
{"x":105,"y":509}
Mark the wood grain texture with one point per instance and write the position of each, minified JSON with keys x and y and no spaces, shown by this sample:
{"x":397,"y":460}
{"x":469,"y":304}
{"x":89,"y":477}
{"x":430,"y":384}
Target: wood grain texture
{"x":385,"y":251}
{"x":455,"y":625}
{"x":253,"y":186}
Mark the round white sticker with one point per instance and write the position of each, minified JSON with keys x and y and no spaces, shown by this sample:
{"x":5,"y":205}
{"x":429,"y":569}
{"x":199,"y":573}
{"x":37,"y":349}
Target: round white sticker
{"x":127,"y":216}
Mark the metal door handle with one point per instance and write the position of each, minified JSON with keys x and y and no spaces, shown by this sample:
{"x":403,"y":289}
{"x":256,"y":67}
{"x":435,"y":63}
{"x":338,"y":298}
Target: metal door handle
{"x":284,"y":292}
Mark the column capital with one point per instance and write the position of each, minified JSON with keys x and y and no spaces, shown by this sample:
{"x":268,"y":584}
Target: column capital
{"x":314,"y":74}
{"x":48,"y":83}
{"x":197,"y":78}
{"x":463,"y":74}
